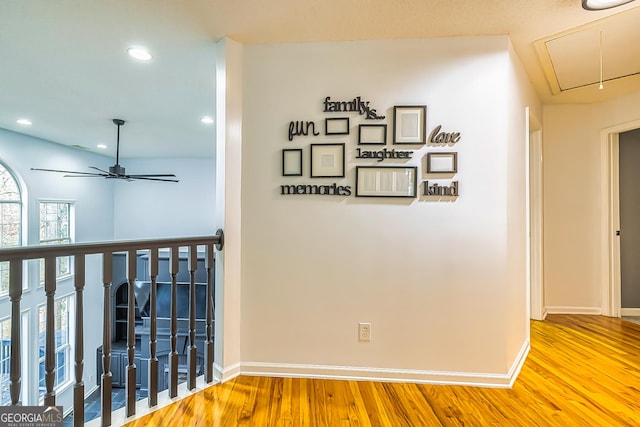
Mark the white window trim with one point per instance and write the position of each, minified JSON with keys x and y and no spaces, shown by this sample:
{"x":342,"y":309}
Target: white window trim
{"x":71,"y":346}
{"x":72,"y":235}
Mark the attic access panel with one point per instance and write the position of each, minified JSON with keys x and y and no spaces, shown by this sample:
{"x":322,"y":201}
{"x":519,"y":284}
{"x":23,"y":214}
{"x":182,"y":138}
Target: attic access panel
{"x":571,"y":59}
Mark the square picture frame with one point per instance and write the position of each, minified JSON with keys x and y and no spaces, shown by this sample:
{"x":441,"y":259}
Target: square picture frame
{"x":386,"y":181}
{"x":442,"y":163}
{"x":409,"y":124}
{"x":292,"y":162}
{"x":336,"y":126}
{"x":372,"y":134}
{"x":327,"y":160}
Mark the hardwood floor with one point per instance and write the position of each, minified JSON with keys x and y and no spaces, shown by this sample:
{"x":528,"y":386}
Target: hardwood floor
{"x":582,"y":370}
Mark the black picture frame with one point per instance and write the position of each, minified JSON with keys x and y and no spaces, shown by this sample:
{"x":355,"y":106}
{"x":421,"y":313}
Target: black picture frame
{"x":292,"y":162}
{"x":328,"y":160}
{"x":336,"y":126}
{"x":387,"y":181}
{"x":372,"y":134}
{"x":409,"y":124}
{"x":442,"y":163}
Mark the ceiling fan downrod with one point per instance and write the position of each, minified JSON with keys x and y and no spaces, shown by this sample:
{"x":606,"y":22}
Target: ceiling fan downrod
{"x":117,"y":169}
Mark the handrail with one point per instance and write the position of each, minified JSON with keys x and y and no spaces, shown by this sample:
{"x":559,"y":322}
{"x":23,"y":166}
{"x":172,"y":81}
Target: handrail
{"x":43,"y":251}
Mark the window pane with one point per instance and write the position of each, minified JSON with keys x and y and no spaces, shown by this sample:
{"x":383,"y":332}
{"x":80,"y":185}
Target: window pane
{"x":55,"y":229}
{"x":62,"y":341}
{"x":4,"y":278}
{"x":5,"y":361}
{"x":8,"y":186}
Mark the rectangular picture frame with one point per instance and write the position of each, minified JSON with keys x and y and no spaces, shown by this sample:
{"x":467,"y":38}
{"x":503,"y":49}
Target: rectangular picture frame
{"x":442,"y":163}
{"x":372,"y":134}
{"x":386,"y":181}
{"x":409,"y":123}
{"x":292,"y":162}
{"x":327,"y":160}
{"x":336,"y":126}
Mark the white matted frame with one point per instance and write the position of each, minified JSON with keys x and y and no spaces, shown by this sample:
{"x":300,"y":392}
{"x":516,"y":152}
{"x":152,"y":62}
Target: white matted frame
{"x":292,"y":162}
{"x":336,"y":126}
{"x":327,"y":160}
{"x":442,"y":162}
{"x":374,"y":134}
{"x":386,"y":181}
{"x":409,"y":123}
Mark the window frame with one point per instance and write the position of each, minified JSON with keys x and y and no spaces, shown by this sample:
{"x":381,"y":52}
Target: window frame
{"x":68,"y":347}
{"x":61,"y":240}
{"x":19,"y":202}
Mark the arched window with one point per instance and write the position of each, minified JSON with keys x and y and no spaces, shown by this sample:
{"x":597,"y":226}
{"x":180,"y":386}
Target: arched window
{"x":10,"y":220}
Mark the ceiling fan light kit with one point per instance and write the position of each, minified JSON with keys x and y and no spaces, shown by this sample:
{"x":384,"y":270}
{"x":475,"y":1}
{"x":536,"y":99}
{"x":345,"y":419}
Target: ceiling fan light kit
{"x":116,"y":171}
{"x":603,"y":4}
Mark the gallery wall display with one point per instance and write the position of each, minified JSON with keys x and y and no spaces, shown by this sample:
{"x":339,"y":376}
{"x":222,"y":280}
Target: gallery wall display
{"x":387,"y":176}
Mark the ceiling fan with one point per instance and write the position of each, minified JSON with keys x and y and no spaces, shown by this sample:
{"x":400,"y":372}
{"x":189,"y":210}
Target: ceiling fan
{"x":116,"y":171}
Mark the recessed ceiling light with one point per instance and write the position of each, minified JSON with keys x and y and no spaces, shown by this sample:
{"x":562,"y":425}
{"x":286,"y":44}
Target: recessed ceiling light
{"x":139,"y":53}
{"x":207,"y":120}
{"x":603,"y":4}
{"x":24,"y":122}
{"x":101,"y":146}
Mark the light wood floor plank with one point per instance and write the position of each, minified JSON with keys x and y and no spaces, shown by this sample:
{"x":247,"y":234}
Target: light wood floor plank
{"x":581,"y":371}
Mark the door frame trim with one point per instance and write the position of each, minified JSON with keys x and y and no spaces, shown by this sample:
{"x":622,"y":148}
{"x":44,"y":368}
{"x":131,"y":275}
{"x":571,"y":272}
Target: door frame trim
{"x":610,"y":218}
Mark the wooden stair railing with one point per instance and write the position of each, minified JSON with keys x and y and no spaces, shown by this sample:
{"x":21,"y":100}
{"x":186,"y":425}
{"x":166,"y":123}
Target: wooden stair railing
{"x":16,"y":256}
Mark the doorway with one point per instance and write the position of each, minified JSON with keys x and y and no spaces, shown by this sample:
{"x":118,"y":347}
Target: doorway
{"x":610,"y":230}
{"x":629,"y":208}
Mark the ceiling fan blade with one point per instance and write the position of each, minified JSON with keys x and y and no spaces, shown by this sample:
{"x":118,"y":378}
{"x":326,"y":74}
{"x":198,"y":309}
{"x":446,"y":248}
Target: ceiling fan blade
{"x":103,"y":171}
{"x":151,"y":179}
{"x":63,"y":171}
{"x":88,"y":175}
{"x":166,"y":175}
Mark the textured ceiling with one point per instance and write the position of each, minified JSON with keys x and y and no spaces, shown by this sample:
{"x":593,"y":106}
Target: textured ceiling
{"x":63,"y":62}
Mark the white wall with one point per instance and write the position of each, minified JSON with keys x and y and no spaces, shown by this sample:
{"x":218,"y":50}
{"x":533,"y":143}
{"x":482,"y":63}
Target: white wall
{"x":93,"y":199}
{"x":431,"y":277}
{"x":572,"y":200}
{"x":520,"y":94}
{"x":150,"y":209}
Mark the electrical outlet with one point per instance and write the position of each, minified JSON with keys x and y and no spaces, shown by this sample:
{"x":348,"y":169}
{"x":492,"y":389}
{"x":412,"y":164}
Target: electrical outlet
{"x":364,"y":331}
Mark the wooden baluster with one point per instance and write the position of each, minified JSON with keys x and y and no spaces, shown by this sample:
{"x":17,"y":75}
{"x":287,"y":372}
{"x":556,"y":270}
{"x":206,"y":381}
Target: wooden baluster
{"x":106,"y":380}
{"x":15,"y":294}
{"x":50,"y":331}
{"x":132,"y":258}
{"x":209,"y":263}
{"x":78,"y":387}
{"x":192,"y":356}
{"x":174,"y":263}
{"x":153,"y":333}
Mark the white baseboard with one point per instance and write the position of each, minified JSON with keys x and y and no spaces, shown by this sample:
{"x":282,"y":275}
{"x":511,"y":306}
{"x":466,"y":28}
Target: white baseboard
{"x":630,"y":311}
{"x":595,"y":311}
{"x":517,"y":364}
{"x":224,"y":375}
{"x":354,"y":373}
